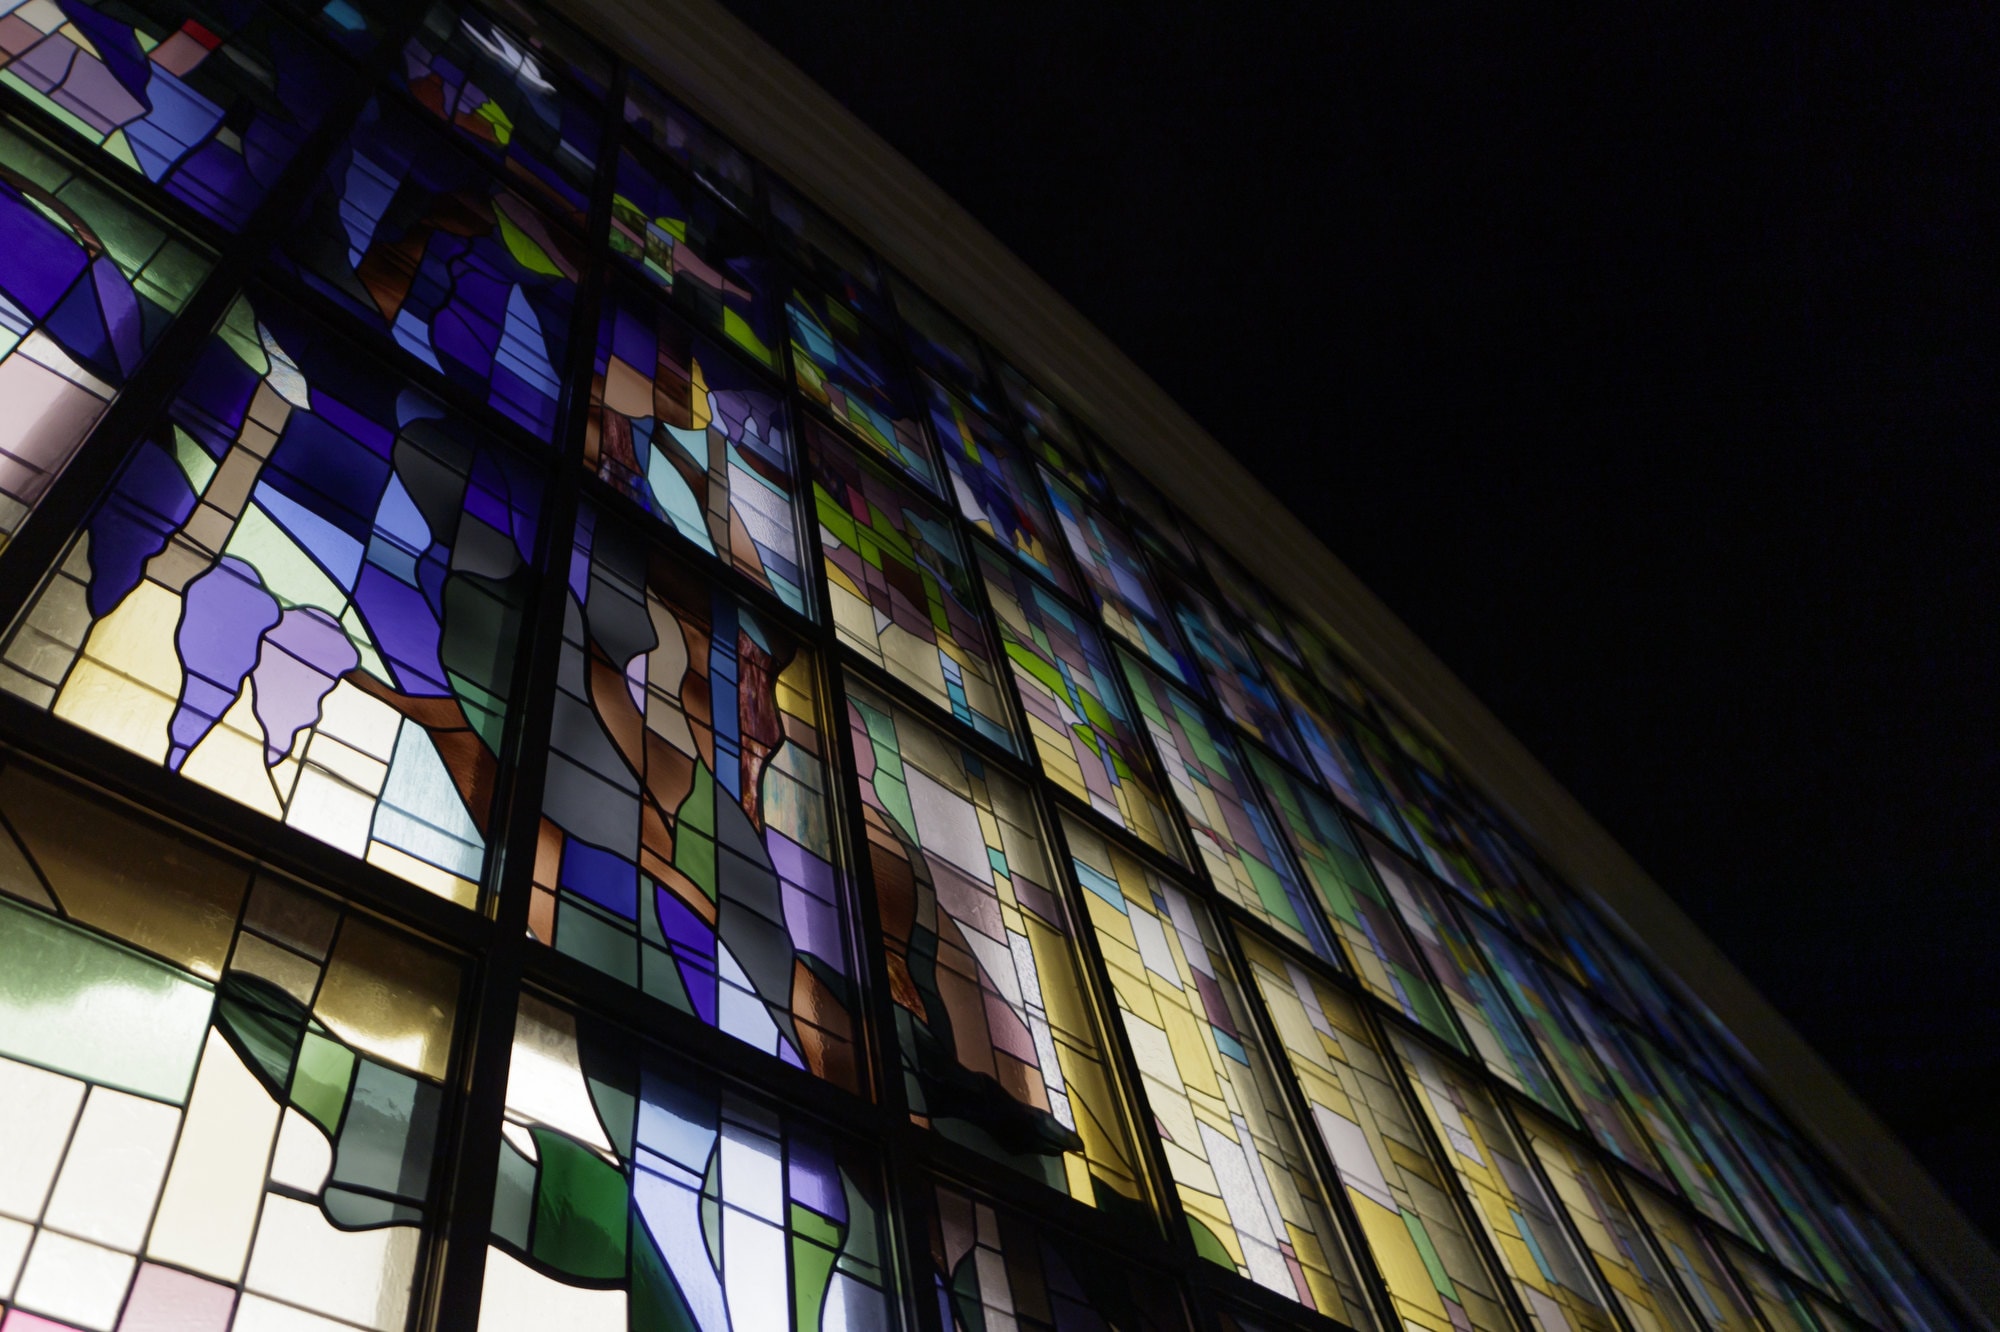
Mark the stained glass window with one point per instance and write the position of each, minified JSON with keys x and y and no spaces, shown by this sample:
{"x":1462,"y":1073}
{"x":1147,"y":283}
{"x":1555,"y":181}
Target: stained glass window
{"x":1119,"y":583}
{"x":1517,"y":1214}
{"x":1696,"y":1261}
{"x":682,"y":239}
{"x":943,"y":348}
{"x":208,"y":98}
{"x":685,"y":844}
{"x":88,"y":282}
{"x":217,"y":1090}
{"x":843,"y":366}
{"x":900,"y":590}
{"x":1232,"y":672}
{"x":675,"y":131}
{"x":634,"y":1193}
{"x":837,"y":261}
{"x":502,"y":95}
{"x":554,"y":44}
{"x":1052,"y":437}
{"x":443,"y":259}
{"x":1334,"y":754}
{"x":1075,"y":706}
{"x":1399,"y":1194}
{"x":1475,"y":998}
{"x":997,"y":493}
{"x":697,"y":440}
{"x":1632,"y":1272}
{"x":1777,"y":1299}
{"x":1912,"y":1298}
{"x":998,"y":1049}
{"x":1590,"y":1091}
{"x":1247,"y":598}
{"x":1372,"y":938}
{"x":302,"y":590}
{"x":1245,"y":1186}
{"x":991,"y":1268}
{"x":1237,"y":841}
{"x":1149,"y":506}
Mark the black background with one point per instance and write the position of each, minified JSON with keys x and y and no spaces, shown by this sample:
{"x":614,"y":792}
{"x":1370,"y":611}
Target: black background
{"x":1641,"y":357}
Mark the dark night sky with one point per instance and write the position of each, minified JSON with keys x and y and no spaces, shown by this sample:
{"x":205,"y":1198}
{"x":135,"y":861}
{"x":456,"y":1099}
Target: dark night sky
{"x":1644,"y":362}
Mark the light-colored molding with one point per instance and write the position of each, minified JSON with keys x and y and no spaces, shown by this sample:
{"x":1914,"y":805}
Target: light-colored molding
{"x":727,"y":73}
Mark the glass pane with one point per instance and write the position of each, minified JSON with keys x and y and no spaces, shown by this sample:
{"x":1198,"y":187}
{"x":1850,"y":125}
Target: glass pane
{"x":1075,"y":705}
{"x":1518,"y":1217}
{"x":1232,"y":672}
{"x":1631,"y":1270}
{"x":844,"y":366}
{"x":685,"y":844}
{"x":943,"y":347}
{"x":683,"y":240}
{"x":1242,"y":1175}
{"x":997,"y":492}
{"x":1912,"y":1298}
{"x":830,"y":254}
{"x":1052,"y":438}
{"x":1436,"y":1277}
{"x":1590,"y":1091}
{"x":636,"y":1193}
{"x":698,"y":440}
{"x":675,"y":131}
{"x":1139,"y":496}
{"x":1246,"y":597}
{"x":468,"y":277}
{"x":1235,"y":838}
{"x":1495,"y":1032}
{"x":303,"y":590}
{"x":998,"y":1048}
{"x":1334,"y":754}
{"x":506,"y":98}
{"x":1376,"y":948}
{"x":213,"y":110}
{"x":88,"y":282}
{"x":251,"y":1125}
{"x":1692,"y":1255}
{"x":554,"y":44}
{"x":992,"y":1268}
{"x":900,"y":590}
{"x":1776,"y":1298}
{"x":1119,"y":584}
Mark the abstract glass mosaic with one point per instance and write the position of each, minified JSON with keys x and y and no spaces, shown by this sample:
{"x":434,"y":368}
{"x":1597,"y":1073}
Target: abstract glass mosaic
{"x":635,"y":1194}
{"x":997,"y":492}
{"x":1230,"y":669}
{"x":1083,"y":727}
{"x":219,"y":1092}
{"x":1436,"y":1276}
{"x":844,"y":366}
{"x":88,"y":283}
{"x":1694,"y":1258}
{"x":685,"y":845}
{"x":900,"y":590}
{"x":302,"y":590}
{"x":1120,"y":585}
{"x":998,"y":1047}
{"x":697,"y":440}
{"x":440,"y":257}
{"x":1239,"y":1169}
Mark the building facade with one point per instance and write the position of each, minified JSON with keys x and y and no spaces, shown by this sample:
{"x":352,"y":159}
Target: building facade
{"x":610,"y":718}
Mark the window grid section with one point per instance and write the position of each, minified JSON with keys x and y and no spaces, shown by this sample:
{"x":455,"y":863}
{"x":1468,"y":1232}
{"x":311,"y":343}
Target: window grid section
{"x":490,"y":226}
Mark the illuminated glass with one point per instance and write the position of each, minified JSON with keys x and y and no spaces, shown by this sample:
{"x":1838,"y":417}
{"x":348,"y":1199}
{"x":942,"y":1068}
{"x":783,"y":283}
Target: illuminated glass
{"x":1475,"y":998}
{"x":1230,"y":669}
{"x":1238,"y":844}
{"x":216,"y":1089}
{"x":1703,"y":1273}
{"x":88,"y":282}
{"x":1053,"y":439}
{"x":998,"y":1048}
{"x":1239,"y":1169}
{"x":1074,"y":703}
{"x":1398,"y":1192}
{"x":675,"y":131}
{"x":943,"y":348}
{"x":1120,"y":586}
{"x":1248,"y":599}
{"x":441,"y":258}
{"x":829,"y":253}
{"x":1152,"y":509}
{"x":842,"y":365}
{"x":992,"y":1268}
{"x":1632,"y":1272}
{"x":302,"y":590}
{"x":899,"y":588}
{"x":686,"y":243}
{"x":207,"y":98}
{"x":1777,"y":1299}
{"x":685,"y":845}
{"x":697,"y":440}
{"x":1517,"y":1214}
{"x":634,"y":1193}
{"x":1371,"y":937}
{"x":997,"y":492}
{"x":507,"y":99}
